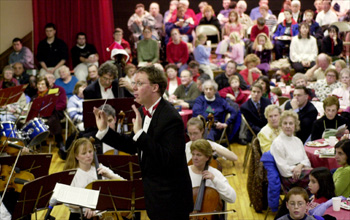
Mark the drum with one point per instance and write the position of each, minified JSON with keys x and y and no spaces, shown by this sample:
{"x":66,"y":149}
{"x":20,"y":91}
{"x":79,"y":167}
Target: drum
{"x":36,"y":130}
{"x":8,"y":129}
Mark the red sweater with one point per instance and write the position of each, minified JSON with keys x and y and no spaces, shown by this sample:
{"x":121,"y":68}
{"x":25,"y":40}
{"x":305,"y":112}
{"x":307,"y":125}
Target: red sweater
{"x":241,"y":97}
{"x":255,"y":31}
{"x":245,"y":72}
{"x":177,"y":52}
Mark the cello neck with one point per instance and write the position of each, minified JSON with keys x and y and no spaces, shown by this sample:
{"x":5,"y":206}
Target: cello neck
{"x":199,"y":200}
{"x":97,"y":164}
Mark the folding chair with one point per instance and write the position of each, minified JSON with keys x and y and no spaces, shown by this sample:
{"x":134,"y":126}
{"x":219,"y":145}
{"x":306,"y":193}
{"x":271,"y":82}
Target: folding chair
{"x":249,"y":145}
{"x":208,"y":30}
{"x":224,"y":138}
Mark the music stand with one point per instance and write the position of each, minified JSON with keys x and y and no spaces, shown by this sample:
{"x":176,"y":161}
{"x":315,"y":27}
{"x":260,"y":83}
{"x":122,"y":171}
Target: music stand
{"x":118,"y":104}
{"x":42,"y":107}
{"x":126,"y":166}
{"x":11,"y":95}
{"x":38,"y":164}
{"x":36,"y":194}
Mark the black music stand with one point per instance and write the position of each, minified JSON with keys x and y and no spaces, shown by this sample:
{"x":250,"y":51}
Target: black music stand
{"x":11,"y":95}
{"x":38,"y":164}
{"x":42,"y":107}
{"x":126,"y":166}
{"x":118,"y":104}
{"x":36,"y":194}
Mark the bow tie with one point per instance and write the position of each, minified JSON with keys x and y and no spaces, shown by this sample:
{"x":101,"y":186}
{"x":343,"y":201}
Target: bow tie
{"x":146,"y":112}
{"x":106,"y":88}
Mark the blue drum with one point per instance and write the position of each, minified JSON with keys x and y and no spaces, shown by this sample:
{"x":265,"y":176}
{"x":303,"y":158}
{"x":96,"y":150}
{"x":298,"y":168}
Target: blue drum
{"x":36,"y":130}
{"x":8,"y":129}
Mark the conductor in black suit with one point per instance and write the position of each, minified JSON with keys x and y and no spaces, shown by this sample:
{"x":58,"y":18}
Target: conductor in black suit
{"x":306,"y":111}
{"x":158,"y":138}
{"x":253,"y":110}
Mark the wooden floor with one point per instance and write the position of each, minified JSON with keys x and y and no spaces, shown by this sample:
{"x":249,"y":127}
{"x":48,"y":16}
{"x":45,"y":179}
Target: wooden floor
{"x":237,"y":181}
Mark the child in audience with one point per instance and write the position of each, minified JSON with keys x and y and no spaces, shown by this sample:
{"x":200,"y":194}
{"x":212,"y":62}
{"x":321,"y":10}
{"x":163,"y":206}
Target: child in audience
{"x":321,"y":185}
{"x":234,"y":92}
{"x":262,"y":47}
{"x":236,"y":49}
{"x":202,"y":54}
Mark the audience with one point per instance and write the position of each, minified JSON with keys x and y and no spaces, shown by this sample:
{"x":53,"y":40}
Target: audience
{"x":339,"y":65}
{"x":154,"y":11}
{"x":173,"y":80}
{"x":202,"y":54}
{"x":92,"y":74}
{"x":209,"y":18}
{"x":262,"y":48}
{"x":234,"y":92}
{"x":147,"y":49}
{"x":332,"y":45}
{"x":233,"y":25}
{"x":315,"y":29}
{"x":327,"y":15}
{"x":231,"y":69}
{"x":265,"y":83}
{"x":325,"y":87}
{"x":255,"y":12}
{"x":20,"y":73}
{"x":21,"y":54}
{"x":177,"y":51}
{"x":251,"y":73}
{"x":343,"y":93}
{"x":341,"y":176}
{"x":7,"y":76}
{"x":118,"y":38}
{"x":223,"y":15}
{"x":317,"y":72}
{"x":270,"y":19}
{"x":75,"y":105}
{"x":66,"y":80}
{"x":244,"y":18}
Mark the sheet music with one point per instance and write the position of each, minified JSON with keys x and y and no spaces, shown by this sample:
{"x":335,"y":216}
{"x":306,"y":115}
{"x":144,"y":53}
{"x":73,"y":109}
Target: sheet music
{"x":76,"y":196}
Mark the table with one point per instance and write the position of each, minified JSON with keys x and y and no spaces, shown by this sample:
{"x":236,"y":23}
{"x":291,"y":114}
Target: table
{"x":343,"y":214}
{"x":186,"y":114}
{"x":316,"y":161}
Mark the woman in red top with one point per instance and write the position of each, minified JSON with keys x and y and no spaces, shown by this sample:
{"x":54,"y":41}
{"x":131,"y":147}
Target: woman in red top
{"x":251,"y":73}
{"x":173,"y":80}
{"x":7,"y":76}
{"x":234,"y":92}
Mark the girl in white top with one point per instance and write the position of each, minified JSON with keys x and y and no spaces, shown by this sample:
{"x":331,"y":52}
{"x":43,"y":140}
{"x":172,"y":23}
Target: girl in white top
{"x":81,"y":157}
{"x":201,"y":155}
{"x":195,"y":130}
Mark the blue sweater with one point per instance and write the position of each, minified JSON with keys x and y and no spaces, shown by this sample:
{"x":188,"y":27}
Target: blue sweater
{"x":68,"y":87}
{"x":282,"y":27}
{"x":202,"y":54}
{"x":75,"y":108}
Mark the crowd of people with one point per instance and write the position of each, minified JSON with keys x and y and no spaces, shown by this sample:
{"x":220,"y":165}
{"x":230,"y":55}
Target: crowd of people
{"x":258,"y":58}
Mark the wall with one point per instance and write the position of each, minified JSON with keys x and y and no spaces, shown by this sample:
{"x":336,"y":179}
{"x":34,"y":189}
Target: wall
{"x":16,"y":20}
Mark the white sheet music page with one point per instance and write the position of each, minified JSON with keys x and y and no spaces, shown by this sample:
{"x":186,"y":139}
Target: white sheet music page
{"x":76,"y":196}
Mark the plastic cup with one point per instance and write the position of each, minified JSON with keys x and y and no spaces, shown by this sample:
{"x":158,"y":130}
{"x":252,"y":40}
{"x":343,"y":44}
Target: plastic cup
{"x":332,"y":140}
{"x":336,"y":203}
{"x":208,"y":43}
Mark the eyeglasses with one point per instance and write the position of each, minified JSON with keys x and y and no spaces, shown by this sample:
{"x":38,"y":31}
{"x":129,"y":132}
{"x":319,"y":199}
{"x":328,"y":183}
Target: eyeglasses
{"x":107,"y":79}
{"x":138,"y":84}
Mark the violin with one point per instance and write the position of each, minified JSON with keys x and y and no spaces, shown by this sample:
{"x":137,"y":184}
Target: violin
{"x":120,"y":123}
{"x":207,"y":200}
{"x":210,"y":121}
{"x":10,"y":147}
{"x":18,"y":179}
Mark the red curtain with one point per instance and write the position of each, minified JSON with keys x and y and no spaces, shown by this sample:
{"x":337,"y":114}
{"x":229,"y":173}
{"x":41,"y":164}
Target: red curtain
{"x":93,"y":17}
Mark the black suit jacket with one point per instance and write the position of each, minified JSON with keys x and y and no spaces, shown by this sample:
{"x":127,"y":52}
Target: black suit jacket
{"x":307,"y":116}
{"x":166,"y":181}
{"x":250,"y":113}
{"x":93,"y":90}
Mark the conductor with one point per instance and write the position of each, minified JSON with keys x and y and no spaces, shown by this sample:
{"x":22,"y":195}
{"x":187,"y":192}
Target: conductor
{"x":158,"y":139}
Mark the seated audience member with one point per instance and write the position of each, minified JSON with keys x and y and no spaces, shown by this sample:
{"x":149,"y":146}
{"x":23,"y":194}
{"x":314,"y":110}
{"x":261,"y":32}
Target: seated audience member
{"x":172,"y":7}
{"x":21,"y":54}
{"x":173,"y":80}
{"x":297,"y":196}
{"x":339,"y":65}
{"x":231,"y":69}
{"x":284,"y":33}
{"x":118,"y":38}
{"x":255,"y":12}
{"x":202,"y":54}
{"x":177,"y":51}
{"x":328,"y":124}
{"x":20,"y":73}
{"x":341,"y":176}
{"x":147,"y":49}
{"x":306,"y":111}
{"x":317,"y":72}
{"x":12,"y":111}
{"x":200,"y":80}
{"x":319,"y":7}
{"x":210,"y":102}
{"x":341,"y":8}
{"x":325,"y":87}
{"x":332,"y":45}
{"x":303,"y":49}
{"x":321,"y":185}
{"x":106,"y":87}
{"x":271,"y":130}
{"x":251,"y":73}
{"x":343,"y":93}
{"x":92,"y":74}
{"x":265,"y":83}
{"x":7,"y":76}
{"x":52,"y":52}
{"x":299,"y":79}
{"x":232,"y":48}
{"x":233,"y":25}
{"x":315,"y":29}
{"x":154,"y":11}
{"x":188,"y":11}
{"x":81,"y":157}
{"x":126,"y":81}
{"x":233,"y":92}
{"x":258,"y":28}
{"x":195,"y":131}
{"x":244,"y":18}
{"x":66,"y":80}
{"x":296,"y":13}
{"x":223,"y":15}
{"x":270,"y":19}
{"x":201,"y":7}
{"x":327,"y":15}
{"x":253,"y":110}
{"x":187,"y":92}
{"x":286,"y":6}
{"x":289,"y":153}
{"x":193,"y":66}
{"x":262,"y":48}
{"x":139,"y":20}
{"x":209,"y":18}
{"x":202,"y":154}
{"x":83,"y":54}
{"x":181,"y":21}
{"x":75,"y":105}
{"x":31,"y":89}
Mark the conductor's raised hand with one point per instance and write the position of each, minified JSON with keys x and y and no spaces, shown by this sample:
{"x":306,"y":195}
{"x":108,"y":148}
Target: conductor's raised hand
{"x":137,"y":122}
{"x":101,"y":119}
